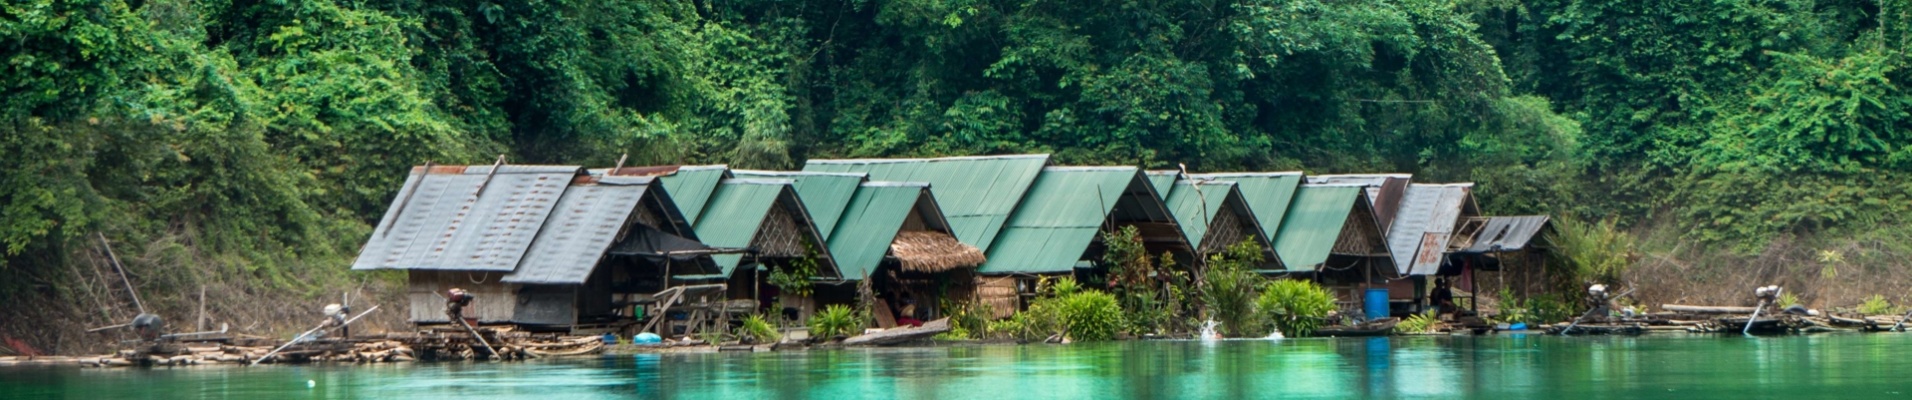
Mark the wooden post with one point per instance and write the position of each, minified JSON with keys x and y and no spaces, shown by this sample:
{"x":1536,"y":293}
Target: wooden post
{"x":202,"y":309}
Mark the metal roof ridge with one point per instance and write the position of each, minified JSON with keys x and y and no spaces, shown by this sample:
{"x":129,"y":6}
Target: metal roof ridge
{"x":926,"y":159}
{"x":1248,"y":174}
{"x":1205,"y":182}
{"x":618,"y":180}
{"x":800,"y":173}
{"x":757,"y":181}
{"x":1090,"y":168}
{"x":1444,"y":185}
{"x":1368,"y":175}
{"x":703,"y":167}
{"x":894,"y":184}
{"x":1329,"y":185}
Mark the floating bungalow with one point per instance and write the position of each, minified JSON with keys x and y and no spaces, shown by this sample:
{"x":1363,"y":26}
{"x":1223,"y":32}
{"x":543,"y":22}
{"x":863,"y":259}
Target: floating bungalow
{"x":977,"y":195}
{"x":548,"y":248}
{"x":766,"y":217}
{"x":893,"y":237}
{"x":891,"y":232}
{"x":1058,"y":227}
{"x":1434,"y":220}
{"x":1332,"y":230}
{"x":1513,"y":247}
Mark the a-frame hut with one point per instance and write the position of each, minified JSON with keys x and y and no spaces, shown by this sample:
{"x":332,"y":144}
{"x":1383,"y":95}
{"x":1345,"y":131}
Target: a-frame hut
{"x":1268,"y":195}
{"x":893,"y":234}
{"x":1212,"y":214}
{"x":1059,"y":224}
{"x":1333,"y":231}
{"x":1434,"y":220}
{"x":766,"y":217}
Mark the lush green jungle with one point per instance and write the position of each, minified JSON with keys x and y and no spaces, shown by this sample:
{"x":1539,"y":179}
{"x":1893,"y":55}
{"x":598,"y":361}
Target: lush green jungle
{"x":241,"y":149}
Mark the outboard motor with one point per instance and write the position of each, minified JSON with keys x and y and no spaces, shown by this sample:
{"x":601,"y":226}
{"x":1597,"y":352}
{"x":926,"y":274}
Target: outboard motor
{"x":149,"y":327}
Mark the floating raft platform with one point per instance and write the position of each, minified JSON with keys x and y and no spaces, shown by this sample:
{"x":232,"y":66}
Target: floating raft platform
{"x":430,"y":344}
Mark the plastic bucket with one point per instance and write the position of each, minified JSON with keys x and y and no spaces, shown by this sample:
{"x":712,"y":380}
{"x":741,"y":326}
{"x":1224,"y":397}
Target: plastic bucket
{"x":1376,"y":304}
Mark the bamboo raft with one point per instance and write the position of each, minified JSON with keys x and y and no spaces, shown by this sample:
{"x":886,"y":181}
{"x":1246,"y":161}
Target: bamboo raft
{"x":437,"y":344}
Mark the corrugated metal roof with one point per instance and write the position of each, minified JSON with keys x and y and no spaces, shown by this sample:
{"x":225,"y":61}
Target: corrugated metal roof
{"x":1268,"y":194}
{"x":739,"y":208}
{"x":824,"y":194}
{"x":443,"y":221}
{"x":1060,"y":216}
{"x":977,"y":193}
{"x":581,"y":228}
{"x":1164,"y":180}
{"x":1384,"y":191}
{"x":1194,"y":215}
{"x":691,"y":187}
{"x":1509,"y":233}
{"x":1314,"y":222}
{"x":1426,"y":220}
{"x":872,"y":219}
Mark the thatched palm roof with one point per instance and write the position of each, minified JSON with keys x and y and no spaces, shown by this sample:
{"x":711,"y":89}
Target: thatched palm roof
{"x":931,"y":251}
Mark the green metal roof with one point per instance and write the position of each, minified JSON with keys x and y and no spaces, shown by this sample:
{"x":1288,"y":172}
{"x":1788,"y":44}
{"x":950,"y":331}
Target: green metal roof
{"x":1186,"y":202}
{"x":1164,"y":180}
{"x":872,"y":219}
{"x":1313,"y":224}
{"x":824,"y":194}
{"x":738,"y":208}
{"x":691,"y":187}
{"x":1268,"y":194}
{"x":977,"y":193}
{"x":1058,"y":219}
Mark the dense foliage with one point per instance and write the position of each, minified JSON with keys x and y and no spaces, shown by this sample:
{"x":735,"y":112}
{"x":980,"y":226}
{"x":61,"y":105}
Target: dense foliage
{"x":255,"y":141}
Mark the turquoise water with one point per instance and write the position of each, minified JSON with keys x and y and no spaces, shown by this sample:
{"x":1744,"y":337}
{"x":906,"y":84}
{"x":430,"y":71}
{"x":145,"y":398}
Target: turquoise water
{"x":1508,"y":366}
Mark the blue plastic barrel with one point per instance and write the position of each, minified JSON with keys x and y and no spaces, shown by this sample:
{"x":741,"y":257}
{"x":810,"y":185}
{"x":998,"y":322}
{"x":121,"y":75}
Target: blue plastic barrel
{"x":1376,"y":306}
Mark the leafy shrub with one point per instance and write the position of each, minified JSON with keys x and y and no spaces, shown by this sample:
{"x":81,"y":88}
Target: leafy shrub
{"x":1089,"y":316}
{"x":1788,"y":300}
{"x":1230,"y":290}
{"x":1592,"y":252}
{"x":835,"y":320}
{"x":966,"y":320}
{"x":1061,"y":287}
{"x":1876,"y":305}
{"x":1418,"y":323}
{"x":756,"y":327}
{"x":1295,"y":306}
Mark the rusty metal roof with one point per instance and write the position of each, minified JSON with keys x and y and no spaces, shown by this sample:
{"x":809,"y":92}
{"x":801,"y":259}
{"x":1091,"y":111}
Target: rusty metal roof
{"x":1508,"y":233}
{"x":465,"y":218}
{"x":1425,"y":223}
{"x":587,"y":219}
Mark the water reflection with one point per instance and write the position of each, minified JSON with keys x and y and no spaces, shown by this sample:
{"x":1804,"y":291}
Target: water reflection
{"x":1359,"y":368}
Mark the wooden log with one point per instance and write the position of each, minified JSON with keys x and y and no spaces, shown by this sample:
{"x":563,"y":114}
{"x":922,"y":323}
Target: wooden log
{"x":899,"y":335}
{"x":1707,"y":309}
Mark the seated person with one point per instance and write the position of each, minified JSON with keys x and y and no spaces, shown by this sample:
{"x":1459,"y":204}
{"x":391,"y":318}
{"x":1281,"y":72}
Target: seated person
{"x":906,"y":315}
